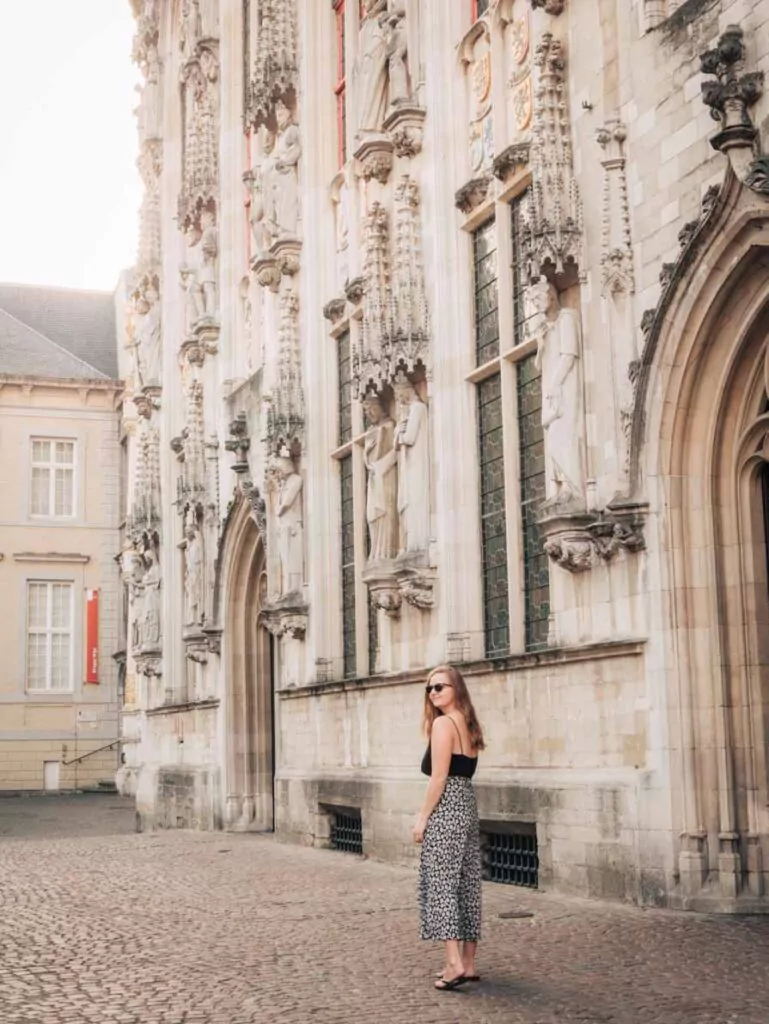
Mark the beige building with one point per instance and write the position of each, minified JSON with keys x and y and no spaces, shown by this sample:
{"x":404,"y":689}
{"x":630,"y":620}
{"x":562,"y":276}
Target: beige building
{"x":447,"y":341}
{"x":60,"y":481}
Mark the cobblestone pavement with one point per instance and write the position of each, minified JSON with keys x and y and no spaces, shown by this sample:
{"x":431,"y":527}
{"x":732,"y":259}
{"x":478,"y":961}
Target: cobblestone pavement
{"x":99,"y":924}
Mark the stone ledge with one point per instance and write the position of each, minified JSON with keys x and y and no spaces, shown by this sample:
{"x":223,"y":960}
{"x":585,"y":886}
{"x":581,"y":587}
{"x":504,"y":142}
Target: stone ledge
{"x":510,"y":663}
{"x":190,"y":705}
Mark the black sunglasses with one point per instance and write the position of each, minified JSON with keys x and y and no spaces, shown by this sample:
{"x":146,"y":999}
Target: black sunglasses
{"x":438,"y":687}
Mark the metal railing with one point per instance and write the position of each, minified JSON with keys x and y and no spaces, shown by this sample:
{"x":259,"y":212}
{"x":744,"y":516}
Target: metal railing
{"x":76,"y":760}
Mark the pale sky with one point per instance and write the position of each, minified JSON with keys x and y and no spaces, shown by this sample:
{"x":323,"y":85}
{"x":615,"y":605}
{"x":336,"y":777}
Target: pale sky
{"x":69,"y":188}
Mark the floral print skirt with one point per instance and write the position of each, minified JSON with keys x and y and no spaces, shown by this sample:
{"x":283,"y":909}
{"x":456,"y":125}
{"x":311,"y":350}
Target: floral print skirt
{"x":450,"y":868}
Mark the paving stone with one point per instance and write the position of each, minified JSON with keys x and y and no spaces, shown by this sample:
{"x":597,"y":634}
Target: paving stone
{"x":98,"y":923}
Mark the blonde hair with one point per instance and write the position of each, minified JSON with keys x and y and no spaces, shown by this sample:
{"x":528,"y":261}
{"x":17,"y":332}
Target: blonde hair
{"x":464,"y":704}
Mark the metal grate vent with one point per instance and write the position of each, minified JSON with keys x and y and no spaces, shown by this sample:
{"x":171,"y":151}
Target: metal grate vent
{"x":511,"y":857}
{"x":347,"y":831}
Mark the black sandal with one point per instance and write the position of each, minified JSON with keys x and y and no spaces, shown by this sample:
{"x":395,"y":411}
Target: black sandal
{"x":468,"y":977}
{"x":447,"y":986}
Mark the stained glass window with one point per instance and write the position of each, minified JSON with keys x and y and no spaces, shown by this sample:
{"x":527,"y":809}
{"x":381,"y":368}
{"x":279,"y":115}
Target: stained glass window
{"x":517,"y":269}
{"x":345,"y":389}
{"x":536,"y":576}
{"x":373,"y":637}
{"x":348,"y":568}
{"x":486,"y":292}
{"x":493,"y":525}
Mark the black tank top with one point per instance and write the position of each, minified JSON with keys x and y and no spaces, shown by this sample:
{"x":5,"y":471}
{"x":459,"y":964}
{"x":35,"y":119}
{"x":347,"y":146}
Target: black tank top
{"x":461,"y":765}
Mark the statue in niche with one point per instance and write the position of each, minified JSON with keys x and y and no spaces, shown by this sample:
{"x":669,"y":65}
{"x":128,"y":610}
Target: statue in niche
{"x":193,"y":573}
{"x":380,"y":458}
{"x":198,"y":276}
{"x":262,"y":184}
{"x":371,"y":77}
{"x":288,"y":150}
{"x":558,"y":353}
{"x":290,"y":524}
{"x":148,"y":335}
{"x":397,"y":53}
{"x":411,"y":444}
{"x":151,"y":580}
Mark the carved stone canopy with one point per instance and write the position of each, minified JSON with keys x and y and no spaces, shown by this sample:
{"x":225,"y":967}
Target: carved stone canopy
{"x":405,"y":128}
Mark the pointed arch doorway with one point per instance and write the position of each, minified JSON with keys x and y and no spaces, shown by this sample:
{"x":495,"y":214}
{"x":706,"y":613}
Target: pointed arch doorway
{"x":249,"y":684}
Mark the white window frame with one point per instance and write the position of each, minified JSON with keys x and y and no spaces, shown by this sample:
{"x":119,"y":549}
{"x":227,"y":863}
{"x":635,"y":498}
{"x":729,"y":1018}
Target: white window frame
{"x":49,"y":630}
{"x":51,"y":465}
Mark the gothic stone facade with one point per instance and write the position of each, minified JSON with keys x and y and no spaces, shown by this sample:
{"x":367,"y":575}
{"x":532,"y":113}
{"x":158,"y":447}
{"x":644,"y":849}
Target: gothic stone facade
{"x":447,"y":342}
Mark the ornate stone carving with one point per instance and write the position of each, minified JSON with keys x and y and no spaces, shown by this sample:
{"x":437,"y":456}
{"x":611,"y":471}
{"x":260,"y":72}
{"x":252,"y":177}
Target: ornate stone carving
{"x":510,"y":159}
{"x":267,"y":272}
{"x":258,"y":506}
{"x":617,"y":251}
{"x":276,"y":65}
{"x":200,"y":161}
{"x":375,"y":158}
{"x":290,"y":622}
{"x":285,"y":407}
{"x":472,"y":194}
{"x":553,"y":217}
{"x":412,"y":447}
{"x":733,"y":91}
{"x":579,"y":541}
{"x":407,"y":332}
{"x":333,"y":311}
{"x":367,"y":360}
{"x":405,"y":128}
{"x":557,"y":331}
{"x":549,"y":6}
{"x":354,"y":290}
{"x":239,"y":444}
{"x":380,"y":459}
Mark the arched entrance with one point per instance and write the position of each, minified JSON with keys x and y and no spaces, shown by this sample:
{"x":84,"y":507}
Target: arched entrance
{"x":704,"y":469}
{"x":249,"y":746}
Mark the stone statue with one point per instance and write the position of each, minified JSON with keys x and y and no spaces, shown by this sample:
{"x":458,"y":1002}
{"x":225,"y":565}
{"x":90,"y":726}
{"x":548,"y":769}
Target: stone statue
{"x":290,"y":523}
{"x":286,"y":175}
{"x":380,"y":459}
{"x":411,"y":443}
{"x":198,"y":276}
{"x":209,"y":251}
{"x":193,"y":574}
{"x":371,"y":75}
{"x":558,"y":353}
{"x":397,"y":53}
{"x":150,"y":625}
{"x":148,"y":335}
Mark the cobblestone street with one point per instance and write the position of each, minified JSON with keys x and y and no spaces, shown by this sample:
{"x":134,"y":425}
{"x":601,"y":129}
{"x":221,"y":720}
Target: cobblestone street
{"x":100,"y":924}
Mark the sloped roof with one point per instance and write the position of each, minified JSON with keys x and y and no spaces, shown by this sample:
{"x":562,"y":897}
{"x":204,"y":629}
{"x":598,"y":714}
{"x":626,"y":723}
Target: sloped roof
{"x":25,"y":352}
{"x":81,"y":322}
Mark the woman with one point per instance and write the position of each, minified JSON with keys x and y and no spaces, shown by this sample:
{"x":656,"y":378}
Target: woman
{"x":447,"y":827}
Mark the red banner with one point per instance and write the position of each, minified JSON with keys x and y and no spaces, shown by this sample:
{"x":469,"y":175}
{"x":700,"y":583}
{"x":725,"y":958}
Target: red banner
{"x":92,"y":636}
